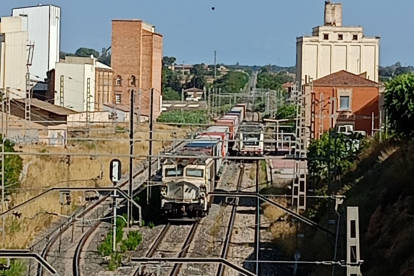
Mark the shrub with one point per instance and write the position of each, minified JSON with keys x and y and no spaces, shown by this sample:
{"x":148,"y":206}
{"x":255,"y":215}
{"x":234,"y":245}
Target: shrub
{"x":115,"y":261}
{"x":178,"y":116}
{"x":105,"y":248}
{"x":151,"y":225}
{"x":133,"y":240}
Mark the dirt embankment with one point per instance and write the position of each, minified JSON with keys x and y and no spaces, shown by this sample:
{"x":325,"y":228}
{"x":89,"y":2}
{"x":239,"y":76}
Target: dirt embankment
{"x":385,"y":196}
{"x":56,"y":168}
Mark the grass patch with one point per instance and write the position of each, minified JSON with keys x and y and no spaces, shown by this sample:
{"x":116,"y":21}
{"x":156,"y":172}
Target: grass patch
{"x":115,"y":261}
{"x":17,"y":268}
{"x":105,"y":248}
{"x":178,"y":116}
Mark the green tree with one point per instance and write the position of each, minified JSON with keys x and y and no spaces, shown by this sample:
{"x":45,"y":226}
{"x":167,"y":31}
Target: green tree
{"x":105,"y":58}
{"x":399,"y":103}
{"x":197,"y":82}
{"x":286,"y":112}
{"x":332,"y":154}
{"x":270,"y":80}
{"x":166,"y":61}
{"x":62,"y":55}
{"x":170,"y":79}
{"x":13,"y":165}
{"x":198,"y":70}
{"x":86,"y":52}
{"x":232,"y":82}
{"x":170,"y":94}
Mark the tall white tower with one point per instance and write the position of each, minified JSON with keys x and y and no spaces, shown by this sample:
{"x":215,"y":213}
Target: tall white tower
{"x":42,"y":22}
{"x":334,"y":47}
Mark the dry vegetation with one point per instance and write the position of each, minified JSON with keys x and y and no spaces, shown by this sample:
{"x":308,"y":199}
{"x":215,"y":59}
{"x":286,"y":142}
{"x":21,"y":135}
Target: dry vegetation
{"x":282,"y":228}
{"x":45,"y":171}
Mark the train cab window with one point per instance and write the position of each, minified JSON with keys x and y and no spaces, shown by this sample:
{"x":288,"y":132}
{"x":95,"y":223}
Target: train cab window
{"x":171,"y":172}
{"x":194,"y":172}
{"x":251,"y":142}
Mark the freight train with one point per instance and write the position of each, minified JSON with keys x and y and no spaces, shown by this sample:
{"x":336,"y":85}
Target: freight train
{"x":190,"y":174}
{"x":250,"y":139}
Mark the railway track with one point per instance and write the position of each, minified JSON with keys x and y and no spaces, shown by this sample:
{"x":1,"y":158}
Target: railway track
{"x":225,"y":249}
{"x":167,"y":243}
{"x":82,"y":215}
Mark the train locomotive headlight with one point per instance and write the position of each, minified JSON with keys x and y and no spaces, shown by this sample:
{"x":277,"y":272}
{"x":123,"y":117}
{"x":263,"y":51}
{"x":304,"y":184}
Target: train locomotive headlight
{"x":203,"y":190}
{"x":164,"y":190}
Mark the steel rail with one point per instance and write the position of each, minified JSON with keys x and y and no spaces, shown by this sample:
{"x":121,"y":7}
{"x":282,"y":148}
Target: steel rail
{"x":257,"y":220}
{"x":290,"y":212}
{"x":185,"y":247}
{"x":81,"y":244}
{"x":70,"y":222}
{"x":226,"y":244}
{"x":75,"y":265}
{"x":154,"y":247}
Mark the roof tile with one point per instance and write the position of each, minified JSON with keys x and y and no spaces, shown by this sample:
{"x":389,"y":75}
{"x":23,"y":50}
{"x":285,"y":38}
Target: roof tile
{"x":344,"y":78}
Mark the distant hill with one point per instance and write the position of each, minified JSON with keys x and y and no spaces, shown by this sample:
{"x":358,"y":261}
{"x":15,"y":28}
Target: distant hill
{"x":273,"y":68}
{"x":385,"y":72}
{"x":394,"y":70}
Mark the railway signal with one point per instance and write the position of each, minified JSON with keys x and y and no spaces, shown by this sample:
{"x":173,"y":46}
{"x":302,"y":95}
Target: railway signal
{"x":115,"y":173}
{"x":65,"y":198}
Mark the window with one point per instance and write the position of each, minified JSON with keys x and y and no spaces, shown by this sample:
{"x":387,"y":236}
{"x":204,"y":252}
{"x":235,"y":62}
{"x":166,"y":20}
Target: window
{"x":251,"y":142}
{"x":355,"y":37}
{"x":173,"y":172}
{"x":325,"y":36}
{"x":118,"y":80}
{"x":133,"y":80}
{"x":117,"y":98}
{"x":353,"y":254}
{"x":340,"y":37}
{"x":344,"y":103}
{"x":353,"y":229}
{"x":194,"y":172}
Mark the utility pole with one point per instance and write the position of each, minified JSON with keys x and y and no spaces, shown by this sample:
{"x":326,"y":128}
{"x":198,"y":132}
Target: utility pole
{"x":61,"y":90}
{"x":27,"y":103}
{"x":27,"y":109}
{"x":7,"y":111}
{"x":2,"y":173}
{"x":115,"y":173}
{"x":88,"y":105}
{"x":353,"y":256}
{"x":139,"y":106}
{"x":114,"y":225}
{"x":219,"y":94}
{"x":215,"y":65}
{"x":150,"y":144}
{"x":131,"y":153}
{"x":183,"y":77}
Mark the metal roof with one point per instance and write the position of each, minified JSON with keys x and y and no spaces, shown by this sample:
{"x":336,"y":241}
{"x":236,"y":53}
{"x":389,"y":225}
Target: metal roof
{"x":217,"y":129}
{"x":48,"y":107}
{"x":201,"y":144}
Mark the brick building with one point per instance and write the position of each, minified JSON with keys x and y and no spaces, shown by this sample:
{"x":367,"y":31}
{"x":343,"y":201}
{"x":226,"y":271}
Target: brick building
{"x":137,"y":64}
{"x":342,"y":98}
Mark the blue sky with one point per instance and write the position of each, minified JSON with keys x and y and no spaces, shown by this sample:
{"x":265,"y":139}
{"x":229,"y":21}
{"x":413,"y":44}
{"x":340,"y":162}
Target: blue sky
{"x":245,"y":31}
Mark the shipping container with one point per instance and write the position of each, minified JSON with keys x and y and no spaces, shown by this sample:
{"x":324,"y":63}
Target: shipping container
{"x":215,"y":146}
